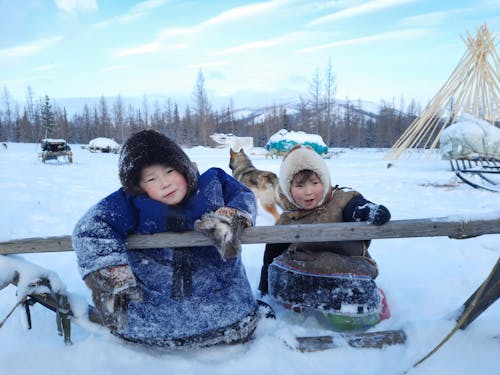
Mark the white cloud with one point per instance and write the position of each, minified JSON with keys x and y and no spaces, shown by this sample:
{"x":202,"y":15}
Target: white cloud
{"x":138,"y":11}
{"x":268,"y":43}
{"x":114,"y":68}
{"x":251,"y":46}
{"x":432,"y":18}
{"x":149,"y":48}
{"x":210,"y":64}
{"x":370,"y":6}
{"x":232,"y":15}
{"x":75,"y":6}
{"x":29,"y":49}
{"x":241,"y":12}
{"x":45,"y":68}
{"x":392,"y":35}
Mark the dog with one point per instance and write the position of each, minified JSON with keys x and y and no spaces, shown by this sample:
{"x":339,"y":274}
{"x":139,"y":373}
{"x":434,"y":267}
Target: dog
{"x":264,"y":184}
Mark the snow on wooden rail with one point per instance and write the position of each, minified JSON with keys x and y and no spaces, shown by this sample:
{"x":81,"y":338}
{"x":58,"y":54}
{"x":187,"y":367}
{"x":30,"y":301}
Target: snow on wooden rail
{"x":452,"y":227}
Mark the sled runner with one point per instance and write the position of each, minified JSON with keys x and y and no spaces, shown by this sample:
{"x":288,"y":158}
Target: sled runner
{"x":480,"y":172}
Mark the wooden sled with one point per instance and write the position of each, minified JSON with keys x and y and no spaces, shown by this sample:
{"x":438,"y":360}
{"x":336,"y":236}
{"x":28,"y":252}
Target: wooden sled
{"x":480,"y":173}
{"x":53,"y":149}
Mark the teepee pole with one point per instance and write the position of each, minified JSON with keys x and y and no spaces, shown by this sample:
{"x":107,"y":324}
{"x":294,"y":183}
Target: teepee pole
{"x":473,"y":87}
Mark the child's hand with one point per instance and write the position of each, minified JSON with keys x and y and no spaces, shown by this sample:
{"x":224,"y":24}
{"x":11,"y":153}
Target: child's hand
{"x":224,"y":228}
{"x":372,"y":213}
{"x":112,"y":289}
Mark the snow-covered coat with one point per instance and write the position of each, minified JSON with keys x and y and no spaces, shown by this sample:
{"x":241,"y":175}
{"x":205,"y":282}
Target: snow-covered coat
{"x":189,"y":293}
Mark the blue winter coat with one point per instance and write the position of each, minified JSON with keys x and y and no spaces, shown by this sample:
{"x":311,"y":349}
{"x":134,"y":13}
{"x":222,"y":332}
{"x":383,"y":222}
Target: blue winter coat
{"x":188,"y":292}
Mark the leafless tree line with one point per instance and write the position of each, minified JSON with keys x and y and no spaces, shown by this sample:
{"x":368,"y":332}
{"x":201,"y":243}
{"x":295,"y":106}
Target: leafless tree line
{"x":340,"y":123}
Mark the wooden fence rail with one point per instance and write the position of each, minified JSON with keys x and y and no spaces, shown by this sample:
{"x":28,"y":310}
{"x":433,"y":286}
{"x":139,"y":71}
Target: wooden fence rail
{"x":453,"y":227}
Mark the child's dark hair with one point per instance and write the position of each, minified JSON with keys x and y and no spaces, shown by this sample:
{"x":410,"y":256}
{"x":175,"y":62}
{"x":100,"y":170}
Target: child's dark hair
{"x":302,"y":176}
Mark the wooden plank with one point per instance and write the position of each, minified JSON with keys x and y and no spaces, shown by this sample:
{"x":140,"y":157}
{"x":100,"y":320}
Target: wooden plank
{"x":452,"y":227}
{"x":378,"y":340}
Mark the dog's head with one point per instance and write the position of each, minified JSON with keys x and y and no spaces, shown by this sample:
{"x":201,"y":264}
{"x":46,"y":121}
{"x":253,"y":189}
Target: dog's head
{"x":235,"y":156}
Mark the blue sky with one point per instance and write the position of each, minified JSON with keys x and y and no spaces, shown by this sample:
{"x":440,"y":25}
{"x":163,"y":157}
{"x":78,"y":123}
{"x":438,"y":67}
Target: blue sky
{"x":379,"y":49}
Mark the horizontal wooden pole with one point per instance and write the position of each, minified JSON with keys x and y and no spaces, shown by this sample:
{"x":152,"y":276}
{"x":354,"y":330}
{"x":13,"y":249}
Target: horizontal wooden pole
{"x":452,"y":227}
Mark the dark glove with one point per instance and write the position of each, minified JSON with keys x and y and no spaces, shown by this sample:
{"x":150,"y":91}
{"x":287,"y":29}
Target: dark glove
{"x":112,"y":289}
{"x":372,"y":213}
{"x":224,"y":227}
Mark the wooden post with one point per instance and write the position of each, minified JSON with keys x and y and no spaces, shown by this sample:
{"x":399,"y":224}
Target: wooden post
{"x":453,"y":227}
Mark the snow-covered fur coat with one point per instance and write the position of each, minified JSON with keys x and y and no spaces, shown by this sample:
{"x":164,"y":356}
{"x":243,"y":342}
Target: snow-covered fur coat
{"x":190,"y":294}
{"x":338,"y":206}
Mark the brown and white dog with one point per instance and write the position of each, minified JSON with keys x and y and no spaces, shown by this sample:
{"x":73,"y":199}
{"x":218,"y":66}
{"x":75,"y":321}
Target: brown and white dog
{"x":264,"y":184}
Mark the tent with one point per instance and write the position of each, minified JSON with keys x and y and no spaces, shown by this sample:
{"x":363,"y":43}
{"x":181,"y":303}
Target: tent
{"x":472,"y":88}
{"x":282,"y":141}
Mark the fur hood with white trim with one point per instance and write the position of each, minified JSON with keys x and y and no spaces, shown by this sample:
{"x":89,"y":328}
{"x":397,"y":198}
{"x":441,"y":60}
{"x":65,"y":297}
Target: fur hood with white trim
{"x":300,"y":158}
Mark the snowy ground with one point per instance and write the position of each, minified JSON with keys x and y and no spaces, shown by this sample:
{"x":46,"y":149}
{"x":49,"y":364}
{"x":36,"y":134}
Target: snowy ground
{"x":425,"y":279}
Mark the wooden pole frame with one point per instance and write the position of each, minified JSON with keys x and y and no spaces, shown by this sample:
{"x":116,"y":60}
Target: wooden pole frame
{"x":473,"y":87}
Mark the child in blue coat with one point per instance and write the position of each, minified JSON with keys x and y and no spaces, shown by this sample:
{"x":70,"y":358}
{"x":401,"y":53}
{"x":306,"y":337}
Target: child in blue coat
{"x":169,"y":297}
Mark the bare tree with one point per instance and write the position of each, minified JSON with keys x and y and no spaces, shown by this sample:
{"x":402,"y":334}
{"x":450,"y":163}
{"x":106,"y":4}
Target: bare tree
{"x":156,"y":118}
{"x":305,"y":116}
{"x":202,"y":109}
{"x":187,"y":128}
{"x":62,"y":123}
{"x":176,"y":123}
{"x":7,"y":116}
{"x":24,"y":128}
{"x":329,"y":99}
{"x":30,"y":113}
{"x":315,"y":92}
{"x":145,"y":111}
{"x":119,"y":119}
{"x":103,"y":118}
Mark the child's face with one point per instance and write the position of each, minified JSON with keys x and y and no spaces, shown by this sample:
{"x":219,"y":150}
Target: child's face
{"x":163,"y":184}
{"x":307,"y":192}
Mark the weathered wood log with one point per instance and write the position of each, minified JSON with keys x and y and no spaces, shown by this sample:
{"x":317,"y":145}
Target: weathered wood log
{"x":453,"y":227}
{"x":378,"y":340}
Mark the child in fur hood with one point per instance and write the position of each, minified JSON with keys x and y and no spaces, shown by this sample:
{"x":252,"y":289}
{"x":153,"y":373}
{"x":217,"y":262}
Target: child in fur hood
{"x":169,"y":297}
{"x":334,"y":277}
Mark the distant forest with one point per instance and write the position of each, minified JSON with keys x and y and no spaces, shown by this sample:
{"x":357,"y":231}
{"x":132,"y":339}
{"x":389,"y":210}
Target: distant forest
{"x":340,"y":123}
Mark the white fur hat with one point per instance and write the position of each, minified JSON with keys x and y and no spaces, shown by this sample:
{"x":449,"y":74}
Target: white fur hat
{"x":300,"y":158}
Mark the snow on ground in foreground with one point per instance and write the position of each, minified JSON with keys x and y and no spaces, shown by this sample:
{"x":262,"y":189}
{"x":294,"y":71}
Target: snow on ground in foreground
{"x":425,"y":279}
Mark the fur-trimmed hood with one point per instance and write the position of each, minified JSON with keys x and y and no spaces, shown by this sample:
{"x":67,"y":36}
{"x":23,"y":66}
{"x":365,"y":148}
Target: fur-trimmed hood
{"x":149,"y":147}
{"x":300,"y":158}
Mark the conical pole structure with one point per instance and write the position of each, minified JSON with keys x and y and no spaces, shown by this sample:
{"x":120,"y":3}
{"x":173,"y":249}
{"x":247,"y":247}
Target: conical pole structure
{"x":473,"y":87}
